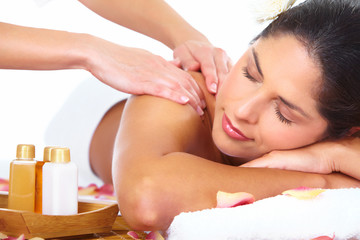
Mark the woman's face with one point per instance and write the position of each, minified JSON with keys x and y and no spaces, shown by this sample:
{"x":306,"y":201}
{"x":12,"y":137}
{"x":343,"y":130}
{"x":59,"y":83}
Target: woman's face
{"x":267,"y":101}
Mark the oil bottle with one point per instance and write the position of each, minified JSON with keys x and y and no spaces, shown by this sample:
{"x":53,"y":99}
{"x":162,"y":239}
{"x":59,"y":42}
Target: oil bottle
{"x":39,"y":178}
{"x":22,"y":179}
{"x":60,"y":184}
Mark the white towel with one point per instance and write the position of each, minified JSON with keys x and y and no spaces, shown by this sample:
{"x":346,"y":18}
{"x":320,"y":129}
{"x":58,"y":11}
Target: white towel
{"x":333,"y":213}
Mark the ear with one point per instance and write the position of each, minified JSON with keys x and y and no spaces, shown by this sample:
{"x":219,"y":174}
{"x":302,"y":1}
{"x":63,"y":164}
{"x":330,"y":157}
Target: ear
{"x":353,"y":130}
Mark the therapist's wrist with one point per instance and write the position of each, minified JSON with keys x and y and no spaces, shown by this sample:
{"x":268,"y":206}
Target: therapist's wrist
{"x":180,"y":36}
{"x":82,"y":51}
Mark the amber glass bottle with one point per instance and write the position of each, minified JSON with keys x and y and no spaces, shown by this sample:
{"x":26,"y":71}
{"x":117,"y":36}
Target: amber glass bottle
{"x":22,"y":179}
{"x":39,"y":179}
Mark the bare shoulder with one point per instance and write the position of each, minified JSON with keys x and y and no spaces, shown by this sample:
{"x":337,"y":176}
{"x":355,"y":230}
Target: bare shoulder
{"x":209,"y":98}
{"x":160,"y":125}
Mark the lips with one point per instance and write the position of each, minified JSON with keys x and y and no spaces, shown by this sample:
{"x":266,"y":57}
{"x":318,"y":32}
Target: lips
{"x":231,"y":131}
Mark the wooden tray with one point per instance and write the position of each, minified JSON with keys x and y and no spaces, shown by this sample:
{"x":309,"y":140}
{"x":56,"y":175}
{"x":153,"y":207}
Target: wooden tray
{"x":93,"y":217}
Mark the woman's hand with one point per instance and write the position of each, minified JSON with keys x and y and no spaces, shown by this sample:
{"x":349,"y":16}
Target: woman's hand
{"x":137,"y":71}
{"x":194,"y":55}
{"x":307,"y":159}
{"x":323,"y":157}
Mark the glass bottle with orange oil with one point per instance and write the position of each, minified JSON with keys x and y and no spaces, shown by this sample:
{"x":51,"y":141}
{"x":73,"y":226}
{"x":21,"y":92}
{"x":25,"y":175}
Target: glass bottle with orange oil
{"x":39,"y":178}
{"x":22,"y":179}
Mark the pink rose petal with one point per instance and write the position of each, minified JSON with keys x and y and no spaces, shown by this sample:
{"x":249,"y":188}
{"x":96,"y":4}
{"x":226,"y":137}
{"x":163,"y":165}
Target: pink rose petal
{"x":133,"y":234}
{"x":106,"y":189}
{"x":105,"y":197}
{"x":22,"y":237}
{"x":4,"y":187}
{"x":93,"y":185}
{"x":4,"y":184}
{"x":324,"y":238}
{"x":227,"y":200}
{"x":4,"y":181}
{"x":303,"y":193}
{"x":154,"y":236}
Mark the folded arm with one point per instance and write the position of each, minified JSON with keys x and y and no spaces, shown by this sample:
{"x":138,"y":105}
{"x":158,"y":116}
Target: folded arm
{"x":324,"y":157}
{"x":156,"y":176}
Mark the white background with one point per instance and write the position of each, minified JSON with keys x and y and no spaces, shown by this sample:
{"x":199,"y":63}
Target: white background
{"x":30,"y":99}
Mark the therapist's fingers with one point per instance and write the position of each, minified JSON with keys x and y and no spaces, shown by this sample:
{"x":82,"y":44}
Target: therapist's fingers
{"x":183,"y":90}
{"x":192,"y":67}
{"x":213,"y":62}
{"x":187,"y":60}
{"x":189,"y":86}
{"x":177,"y":94}
{"x":208,"y":69}
{"x":137,"y":71}
{"x":215,"y":67}
{"x":223,"y":65}
{"x":176,"y":62}
{"x":178,"y":86}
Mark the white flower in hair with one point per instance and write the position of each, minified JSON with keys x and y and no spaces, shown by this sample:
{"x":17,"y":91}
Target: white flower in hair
{"x":270,"y":9}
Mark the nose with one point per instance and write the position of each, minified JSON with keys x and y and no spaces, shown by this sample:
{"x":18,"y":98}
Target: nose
{"x":250,"y":108}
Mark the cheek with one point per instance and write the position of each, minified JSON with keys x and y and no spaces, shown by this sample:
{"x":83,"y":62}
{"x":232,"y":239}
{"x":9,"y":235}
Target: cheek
{"x":275,"y":135}
{"x":234,"y":88}
{"x":235,"y":81}
{"x":227,"y":88}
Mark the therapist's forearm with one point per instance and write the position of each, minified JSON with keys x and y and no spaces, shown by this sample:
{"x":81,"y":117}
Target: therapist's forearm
{"x":41,"y":49}
{"x":154,"y":18}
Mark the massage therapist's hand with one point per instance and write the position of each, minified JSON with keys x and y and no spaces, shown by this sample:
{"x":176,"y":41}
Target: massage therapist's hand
{"x":137,"y":71}
{"x":323,"y":157}
{"x":195,"y":55}
{"x":192,"y":50}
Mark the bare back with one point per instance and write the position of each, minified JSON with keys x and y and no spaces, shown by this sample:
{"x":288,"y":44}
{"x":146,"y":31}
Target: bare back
{"x":102,"y":143}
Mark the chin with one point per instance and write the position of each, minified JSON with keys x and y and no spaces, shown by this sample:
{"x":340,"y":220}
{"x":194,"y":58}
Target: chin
{"x":246,"y":154}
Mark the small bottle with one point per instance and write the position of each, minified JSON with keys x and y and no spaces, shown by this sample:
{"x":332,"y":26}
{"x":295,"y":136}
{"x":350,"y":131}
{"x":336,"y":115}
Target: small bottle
{"x":39,"y":178}
{"x":60,"y":186}
{"x":22,"y":179}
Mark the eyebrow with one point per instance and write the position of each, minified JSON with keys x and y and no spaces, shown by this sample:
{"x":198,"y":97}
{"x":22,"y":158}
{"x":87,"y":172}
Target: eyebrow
{"x":286,"y":102}
{"x":294,"y":107}
{"x":256,"y":58}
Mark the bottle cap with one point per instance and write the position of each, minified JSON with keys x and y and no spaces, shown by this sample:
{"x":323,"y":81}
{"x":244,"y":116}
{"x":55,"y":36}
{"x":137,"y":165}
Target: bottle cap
{"x":47,"y":154}
{"x":25,"y":151}
{"x":60,"y":155}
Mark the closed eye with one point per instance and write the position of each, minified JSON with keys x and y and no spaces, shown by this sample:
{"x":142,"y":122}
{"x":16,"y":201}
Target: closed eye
{"x":248,"y":76}
{"x":281,"y":117}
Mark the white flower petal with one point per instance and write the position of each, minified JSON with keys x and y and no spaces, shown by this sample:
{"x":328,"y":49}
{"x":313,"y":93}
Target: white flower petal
{"x":270,"y":9}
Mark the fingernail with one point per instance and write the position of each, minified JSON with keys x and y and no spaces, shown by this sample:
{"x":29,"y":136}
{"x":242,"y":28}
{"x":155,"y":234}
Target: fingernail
{"x":185,"y":99}
{"x":199,"y":111}
{"x":213,"y":87}
{"x":203,"y":103}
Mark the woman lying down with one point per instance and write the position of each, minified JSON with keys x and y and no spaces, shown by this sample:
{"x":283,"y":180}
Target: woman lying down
{"x":291,"y":101}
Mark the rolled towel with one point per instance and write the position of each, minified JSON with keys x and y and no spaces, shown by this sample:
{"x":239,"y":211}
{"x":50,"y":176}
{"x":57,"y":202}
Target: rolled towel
{"x":333,"y":213}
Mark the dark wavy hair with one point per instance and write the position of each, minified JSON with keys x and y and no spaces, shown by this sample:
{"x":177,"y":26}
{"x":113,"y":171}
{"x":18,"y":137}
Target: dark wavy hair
{"x":330,"y":31}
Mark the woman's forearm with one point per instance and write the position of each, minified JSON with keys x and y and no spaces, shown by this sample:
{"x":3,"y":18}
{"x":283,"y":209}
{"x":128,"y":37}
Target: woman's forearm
{"x":154,"y":18}
{"x":40,"y":49}
{"x":346,"y":156}
{"x":152,"y":193}
{"x":324,"y":157}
